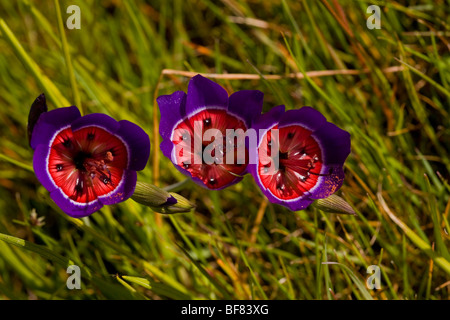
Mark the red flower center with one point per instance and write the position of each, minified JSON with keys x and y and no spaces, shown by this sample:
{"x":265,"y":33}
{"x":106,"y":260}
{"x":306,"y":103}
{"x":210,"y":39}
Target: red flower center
{"x":87,"y":163}
{"x":190,"y":155}
{"x":299,"y":162}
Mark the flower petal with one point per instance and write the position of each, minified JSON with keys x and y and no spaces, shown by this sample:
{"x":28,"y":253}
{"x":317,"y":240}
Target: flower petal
{"x":232,"y":179}
{"x":260,"y":125}
{"x":38,"y":107}
{"x":306,"y":117}
{"x":98,"y":120}
{"x":138,"y":144}
{"x":50,"y":122}
{"x":72,"y":208}
{"x":329,"y":184}
{"x":202,"y":93}
{"x":166,"y":147}
{"x":268,"y":120}
{"x":123,"y":191}
{"x":172,"y":108}
{"x":334,"y":143}
{"x":294,"y":204}
{"x":40,"y":166}
{"x":247,"y":104}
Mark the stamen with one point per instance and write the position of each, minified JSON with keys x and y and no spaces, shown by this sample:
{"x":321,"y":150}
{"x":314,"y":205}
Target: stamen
{"x":79,"y":186}
{"x":98,"y":166}
{"x":322,"y":174}
{"x":105,"y":179}
{"x":109,"y":157}
{"x":207,"y":122}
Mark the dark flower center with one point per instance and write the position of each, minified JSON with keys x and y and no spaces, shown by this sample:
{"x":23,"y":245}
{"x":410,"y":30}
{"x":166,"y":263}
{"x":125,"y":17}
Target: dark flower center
{"x":79,"y":160}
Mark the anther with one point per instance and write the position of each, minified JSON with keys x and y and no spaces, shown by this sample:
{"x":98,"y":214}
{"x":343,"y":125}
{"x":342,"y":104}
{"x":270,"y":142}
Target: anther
{"x":109,"y":157}
{"x":207,"y":121}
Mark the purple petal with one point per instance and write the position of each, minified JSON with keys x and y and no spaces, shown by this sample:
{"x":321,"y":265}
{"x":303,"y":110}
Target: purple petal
{"x":96,"y":119}
{"x":172,"y":108}
{"x":297,"y":205}
{"x":294,"y":204}
{"x":170,"y":201}
{"x":247,"y":104}
{"x":51,"y":122}
{"x":334,"y":143}
{"x":72,"y":208}
{"x":329,"y":184}
{"x":40,"y":166}
{"x":124,"y":191}
{"x":138,"y":144}
{"x":261,"y":124}
{"x":306,"y":117}
{"x":166,"y":147}
{"x":202,"y":93}
{"x":268,"y":119}
{"x":38,"y":107}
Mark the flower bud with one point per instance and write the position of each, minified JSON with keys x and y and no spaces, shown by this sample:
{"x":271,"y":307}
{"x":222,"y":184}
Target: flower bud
{"x":334,"y":204}
{"x":160,"y":200}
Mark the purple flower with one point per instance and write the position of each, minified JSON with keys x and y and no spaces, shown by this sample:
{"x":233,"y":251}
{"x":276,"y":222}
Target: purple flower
{"x":86,"y":162}
{"x":300,"y":156}
{"x":202,"y":129}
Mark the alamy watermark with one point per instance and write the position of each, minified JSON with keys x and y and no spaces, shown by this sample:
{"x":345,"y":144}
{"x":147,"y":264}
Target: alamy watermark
{"x":74,"y":20}
{"x":374,"y":20}
{"x":74,"y":280}
{"x":229,"y":149}
{"x":374,"y":281}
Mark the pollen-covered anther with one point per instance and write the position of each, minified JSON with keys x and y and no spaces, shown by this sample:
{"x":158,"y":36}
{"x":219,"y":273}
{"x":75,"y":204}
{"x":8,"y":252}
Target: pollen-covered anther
{"x":109,"y":156}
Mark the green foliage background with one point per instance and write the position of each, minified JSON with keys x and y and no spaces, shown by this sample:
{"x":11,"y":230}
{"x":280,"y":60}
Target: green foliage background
{"x":235,"y":245}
